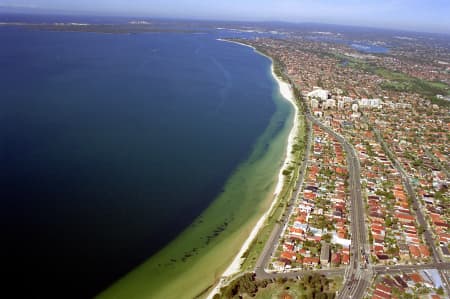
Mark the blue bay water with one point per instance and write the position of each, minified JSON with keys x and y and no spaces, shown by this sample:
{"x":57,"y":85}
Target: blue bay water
{"x":111,"y":145}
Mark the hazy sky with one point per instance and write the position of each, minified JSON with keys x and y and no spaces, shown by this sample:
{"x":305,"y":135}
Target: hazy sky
{"x":430,"y":15}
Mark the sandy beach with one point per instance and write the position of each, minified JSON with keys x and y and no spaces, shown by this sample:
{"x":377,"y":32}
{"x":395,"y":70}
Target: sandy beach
{"x":287,"y":93}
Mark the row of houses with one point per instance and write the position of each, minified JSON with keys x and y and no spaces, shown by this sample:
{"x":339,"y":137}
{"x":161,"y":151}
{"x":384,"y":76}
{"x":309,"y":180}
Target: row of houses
{"x":318,"y":229}
{"x":419,"y":138}
{"x":424,"y":282}
{"x":393,"y":230}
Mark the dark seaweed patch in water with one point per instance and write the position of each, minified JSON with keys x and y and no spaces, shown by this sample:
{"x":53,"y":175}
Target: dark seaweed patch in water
{"x":216,"y":232}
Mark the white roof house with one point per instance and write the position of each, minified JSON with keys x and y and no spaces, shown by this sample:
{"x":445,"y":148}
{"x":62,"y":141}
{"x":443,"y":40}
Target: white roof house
{"x":319,"y":93}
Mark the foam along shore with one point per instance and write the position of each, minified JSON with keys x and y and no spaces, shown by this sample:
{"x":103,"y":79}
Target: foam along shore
{"x":287,"y":93}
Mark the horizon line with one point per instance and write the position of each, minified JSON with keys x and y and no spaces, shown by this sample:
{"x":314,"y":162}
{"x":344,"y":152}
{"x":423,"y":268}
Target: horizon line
{"x":81,"y":13}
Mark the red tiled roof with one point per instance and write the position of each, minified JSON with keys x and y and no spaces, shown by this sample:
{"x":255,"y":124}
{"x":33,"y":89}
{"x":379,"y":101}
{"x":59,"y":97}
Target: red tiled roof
{"x":416,"y":277}
{"x":424,"y":251}
{"x":404,"y":217}
{"x":382,"y":295}
{"x":311,"y":260}
{"x":288,"y":255}
{"x":345,"y":259}
{"x":383,"y":288}
{"x":414,"y":250}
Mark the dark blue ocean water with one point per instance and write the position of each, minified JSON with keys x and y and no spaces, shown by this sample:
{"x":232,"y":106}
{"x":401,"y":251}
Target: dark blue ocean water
{"x":110,"y":145}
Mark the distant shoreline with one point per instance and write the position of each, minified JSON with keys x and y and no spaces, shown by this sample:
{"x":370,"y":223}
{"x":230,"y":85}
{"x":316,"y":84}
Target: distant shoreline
{"x":254,"y":49}
{"x":97,"y":28}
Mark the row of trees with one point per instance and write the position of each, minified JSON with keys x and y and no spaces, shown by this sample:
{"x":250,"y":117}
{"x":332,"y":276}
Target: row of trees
{"x":245,"y":284}
{"x":316,"y":286}
{"x":311,"y":286}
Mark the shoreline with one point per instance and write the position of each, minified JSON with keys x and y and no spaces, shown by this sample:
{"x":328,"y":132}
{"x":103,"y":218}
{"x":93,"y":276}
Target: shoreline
{"x":254,"y":49}
{"x":168,"y":273}
{"x":286,"y":91}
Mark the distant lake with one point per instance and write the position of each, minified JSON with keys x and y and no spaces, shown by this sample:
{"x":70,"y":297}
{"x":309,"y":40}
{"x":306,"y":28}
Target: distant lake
{"x":367,"y":48}
{"x":359,"y":46}
{"x":111,"y":145}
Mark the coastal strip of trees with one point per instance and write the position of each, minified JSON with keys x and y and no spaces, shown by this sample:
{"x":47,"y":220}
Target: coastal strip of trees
{"x":308,"y":286}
